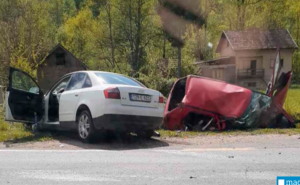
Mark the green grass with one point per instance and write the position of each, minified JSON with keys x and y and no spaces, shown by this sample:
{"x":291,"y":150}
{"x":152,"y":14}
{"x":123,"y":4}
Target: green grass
{"x":189,"y":134}
{"x":16,"y":132}
{"x":295,"y":86}
{"x":292,"y":103}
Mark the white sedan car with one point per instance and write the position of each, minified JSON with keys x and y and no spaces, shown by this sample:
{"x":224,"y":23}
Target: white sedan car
{"x":88,"y":101}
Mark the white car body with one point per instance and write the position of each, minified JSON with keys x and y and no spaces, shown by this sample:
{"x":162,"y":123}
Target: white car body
{"x":124,"y":114}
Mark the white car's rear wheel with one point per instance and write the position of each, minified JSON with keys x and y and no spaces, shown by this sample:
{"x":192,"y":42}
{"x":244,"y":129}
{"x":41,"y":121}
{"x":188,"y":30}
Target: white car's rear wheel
{"x":85,"y":126}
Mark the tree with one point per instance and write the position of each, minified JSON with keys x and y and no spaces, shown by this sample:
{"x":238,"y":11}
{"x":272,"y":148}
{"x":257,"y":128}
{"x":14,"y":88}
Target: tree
{"x":60,"y":10}
{"x":133,"y":38}
{"x":26,"y":33}
{"x":107,"y":42}
{"x":78,"y":35}
{"x":136,"y":30}
{"x":191,"y":16}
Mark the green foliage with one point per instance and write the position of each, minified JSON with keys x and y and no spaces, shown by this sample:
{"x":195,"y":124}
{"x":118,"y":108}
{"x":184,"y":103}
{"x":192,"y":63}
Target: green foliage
{"x":78,"y":35}
{"x":26,"y":33}
{"x":60,"y":10}
{"x":126,"y":36}
{"x":153,"y":78}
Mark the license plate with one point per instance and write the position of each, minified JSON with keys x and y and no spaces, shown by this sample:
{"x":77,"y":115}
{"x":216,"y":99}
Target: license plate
{"x":140,"y":97}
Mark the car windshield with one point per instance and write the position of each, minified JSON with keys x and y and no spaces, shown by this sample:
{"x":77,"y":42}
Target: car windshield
{"x":110,"y":78}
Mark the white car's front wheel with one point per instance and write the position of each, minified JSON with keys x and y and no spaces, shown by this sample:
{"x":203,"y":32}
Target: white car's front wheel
{"x":86,"y":130}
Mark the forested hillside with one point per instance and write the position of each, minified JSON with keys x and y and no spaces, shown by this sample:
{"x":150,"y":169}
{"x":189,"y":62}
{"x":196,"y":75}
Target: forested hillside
{"x":127,"y":36}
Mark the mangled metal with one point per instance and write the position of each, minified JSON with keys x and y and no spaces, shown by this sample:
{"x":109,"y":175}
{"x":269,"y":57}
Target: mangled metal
{"x":199,"y":103}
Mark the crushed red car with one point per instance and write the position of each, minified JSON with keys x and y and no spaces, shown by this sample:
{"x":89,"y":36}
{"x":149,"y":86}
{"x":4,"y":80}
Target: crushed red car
{"x":199,"y":103}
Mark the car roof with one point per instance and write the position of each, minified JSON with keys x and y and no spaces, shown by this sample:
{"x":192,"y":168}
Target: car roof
{"x":91,"y":72}
{"x":87,"y":71}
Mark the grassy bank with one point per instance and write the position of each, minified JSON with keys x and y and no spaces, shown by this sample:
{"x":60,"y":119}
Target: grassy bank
{"x":167,"y":133}
{"x":292,"y":103}
{"x":16,"y":132}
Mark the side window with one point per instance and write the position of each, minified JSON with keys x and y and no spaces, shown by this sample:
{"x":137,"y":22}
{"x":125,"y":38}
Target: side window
{"x":61,"y":85}
{"x":76,"y":82}
{"x":87,"y":83}
{"x":23,"y":82}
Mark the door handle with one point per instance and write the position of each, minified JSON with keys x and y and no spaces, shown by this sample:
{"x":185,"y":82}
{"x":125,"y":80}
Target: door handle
{"x":76,"y":95}
{"x":28,"y":98}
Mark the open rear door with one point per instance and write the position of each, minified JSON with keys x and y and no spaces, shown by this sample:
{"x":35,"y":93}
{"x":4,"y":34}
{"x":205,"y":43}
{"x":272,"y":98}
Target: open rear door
{"x":24,"y":99}
{"x":276,"y":71}
{"x":277,"y":90}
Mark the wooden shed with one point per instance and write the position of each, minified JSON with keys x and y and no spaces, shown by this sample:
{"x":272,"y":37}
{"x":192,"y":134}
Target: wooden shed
{"x":58,"y":63}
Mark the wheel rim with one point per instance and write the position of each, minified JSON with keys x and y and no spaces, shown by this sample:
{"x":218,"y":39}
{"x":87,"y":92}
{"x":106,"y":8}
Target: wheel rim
{"x":84,"y":126}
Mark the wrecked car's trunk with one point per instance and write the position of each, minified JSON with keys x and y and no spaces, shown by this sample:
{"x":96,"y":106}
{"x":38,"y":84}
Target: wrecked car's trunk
{"x":198,"y":103}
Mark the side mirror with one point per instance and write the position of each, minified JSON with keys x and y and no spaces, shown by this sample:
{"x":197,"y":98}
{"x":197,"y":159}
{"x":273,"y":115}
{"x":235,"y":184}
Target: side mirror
{"x":60,"y":90}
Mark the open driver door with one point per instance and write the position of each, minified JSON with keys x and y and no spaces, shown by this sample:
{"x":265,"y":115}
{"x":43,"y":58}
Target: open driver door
{"x":24,"y":99}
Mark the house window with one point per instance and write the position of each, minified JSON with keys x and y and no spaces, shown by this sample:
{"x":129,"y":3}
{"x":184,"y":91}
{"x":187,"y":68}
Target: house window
{"x":272,"y":62}
{"x":60,"y":59}
{"x":281,"y":62}
{"x":253,"y":67}
{"x":250,"y":84}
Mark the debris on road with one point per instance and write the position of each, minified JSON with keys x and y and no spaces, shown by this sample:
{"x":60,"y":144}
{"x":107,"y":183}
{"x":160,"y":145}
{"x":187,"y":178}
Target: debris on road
{"x":156,"y":134}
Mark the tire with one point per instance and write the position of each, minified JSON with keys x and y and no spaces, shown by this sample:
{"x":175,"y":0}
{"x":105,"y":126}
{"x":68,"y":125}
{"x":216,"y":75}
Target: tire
{"x":85,"y":127}
{"x":147,"y":134}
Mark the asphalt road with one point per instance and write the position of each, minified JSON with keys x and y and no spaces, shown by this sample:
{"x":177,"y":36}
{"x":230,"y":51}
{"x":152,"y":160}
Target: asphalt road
{"x":249,"y":163}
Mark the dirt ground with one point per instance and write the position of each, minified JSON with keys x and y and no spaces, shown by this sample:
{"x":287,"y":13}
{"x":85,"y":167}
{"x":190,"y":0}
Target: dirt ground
{"x":71,"y":142}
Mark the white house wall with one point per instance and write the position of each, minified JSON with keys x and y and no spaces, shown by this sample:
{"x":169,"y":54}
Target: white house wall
{"x":226,"y":49}
{"x":266,"y":56}
{"x":263,"y":58}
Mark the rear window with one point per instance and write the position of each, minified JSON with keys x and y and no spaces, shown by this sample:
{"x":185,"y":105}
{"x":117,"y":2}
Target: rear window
{"x":109,"y":78}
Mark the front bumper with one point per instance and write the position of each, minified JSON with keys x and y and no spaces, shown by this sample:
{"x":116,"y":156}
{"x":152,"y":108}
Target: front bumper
{"x":127,"y":123}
